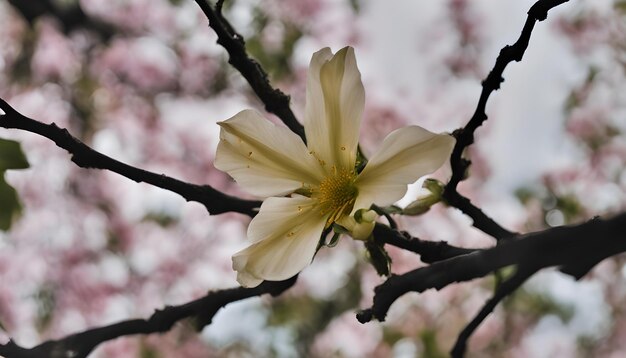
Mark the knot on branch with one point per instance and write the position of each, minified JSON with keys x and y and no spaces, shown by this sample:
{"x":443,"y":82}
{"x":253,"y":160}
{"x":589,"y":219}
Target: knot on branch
{"x":493,"y":81}
{"x":516,"y":51}
{"x":539,"y":11}
{"x":239,"y":39}
{"x":161,"y":319}
{"x":364,"y":316}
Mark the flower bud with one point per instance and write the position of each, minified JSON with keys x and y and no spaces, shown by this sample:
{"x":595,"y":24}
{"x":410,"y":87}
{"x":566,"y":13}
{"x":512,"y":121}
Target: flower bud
{"x":424,"y":202}
{"x":361,"y":225}
{"x":365,"y":216}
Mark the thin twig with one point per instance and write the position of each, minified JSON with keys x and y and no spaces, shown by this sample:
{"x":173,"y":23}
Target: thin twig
{"x":506,"y":288}
{"x":481,"y":220}
{"x":215,"y":201}
{"x":275,"y":100}
{"x":465,"y":136}
{"x":79,"y":345}
{"x":429,"y":251}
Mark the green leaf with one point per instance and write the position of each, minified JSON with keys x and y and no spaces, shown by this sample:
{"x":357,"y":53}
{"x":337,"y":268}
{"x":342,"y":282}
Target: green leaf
{"x":10,"y":207}
{"x":11,"y":155}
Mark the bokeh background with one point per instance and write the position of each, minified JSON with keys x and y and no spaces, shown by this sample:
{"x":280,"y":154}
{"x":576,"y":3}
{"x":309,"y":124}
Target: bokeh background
{"x":145,"y":82}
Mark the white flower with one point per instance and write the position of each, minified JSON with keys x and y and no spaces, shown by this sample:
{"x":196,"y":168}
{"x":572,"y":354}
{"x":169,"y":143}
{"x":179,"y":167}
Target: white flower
{"x":320,"y":177}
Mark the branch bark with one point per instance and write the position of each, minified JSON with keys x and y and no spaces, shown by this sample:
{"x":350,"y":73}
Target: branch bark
{"x":79,"y":345}
{"x":215,"y":201}
{"x":574,"y":249}
{"x":505,"y":289}
{"x":275,"y":100}
{"x":429,"y":251}
{"x":465,"y":136}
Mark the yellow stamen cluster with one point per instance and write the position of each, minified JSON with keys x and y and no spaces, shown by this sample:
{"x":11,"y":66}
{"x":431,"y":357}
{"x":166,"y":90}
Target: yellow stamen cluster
{"x":336,"y":194}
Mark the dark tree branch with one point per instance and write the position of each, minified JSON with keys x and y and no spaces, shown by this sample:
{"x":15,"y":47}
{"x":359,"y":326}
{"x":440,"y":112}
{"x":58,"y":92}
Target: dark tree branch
{"x":575,"y":249}
{"x":465,"y":136}
{"x":79,"y":345}
{"x":480,"y":220}
{"x":429,"y":251}
{"x":215,"y":201}
{"x":505,"y":289}
{"x":275,"y":100}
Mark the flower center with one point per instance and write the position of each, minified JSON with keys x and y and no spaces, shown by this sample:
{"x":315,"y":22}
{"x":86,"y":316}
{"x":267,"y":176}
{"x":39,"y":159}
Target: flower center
{"x":337,"y":194}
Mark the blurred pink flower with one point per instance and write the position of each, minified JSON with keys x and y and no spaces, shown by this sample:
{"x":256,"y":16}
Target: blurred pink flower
{"x":146,"y":62}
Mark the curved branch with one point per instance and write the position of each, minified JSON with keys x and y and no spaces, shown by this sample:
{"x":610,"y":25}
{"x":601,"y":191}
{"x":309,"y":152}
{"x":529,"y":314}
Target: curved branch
{"x":505,"y":289}
{"x":79,"y":345}
{"x":465,"y":136}
{"x":429,"y":251}
{"x":575,"y":249}
{"x":275,"y":100}
{"x":215,"y":201}
{"x":480,"y":220}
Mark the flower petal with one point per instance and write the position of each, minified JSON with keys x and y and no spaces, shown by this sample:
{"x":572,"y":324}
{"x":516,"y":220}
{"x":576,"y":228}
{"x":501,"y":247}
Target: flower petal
{"x":335,"y":100}
{"x":405,"y":155}
{"x":265,"y":159}
{"x":285,"y":234}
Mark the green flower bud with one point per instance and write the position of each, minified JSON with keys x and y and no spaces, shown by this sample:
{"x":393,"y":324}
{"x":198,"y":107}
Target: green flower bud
{"x":361,"y":225}
{"x":423,"y":203}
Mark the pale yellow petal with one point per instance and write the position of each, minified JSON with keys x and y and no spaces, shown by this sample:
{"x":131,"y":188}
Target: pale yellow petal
{"x":265,"y":159}
{"x":405,"y":155}
{"x":334,"y":106}
{"x":277,"y":216}
{"x":245,"y":279}
{"x":285,"y":234}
